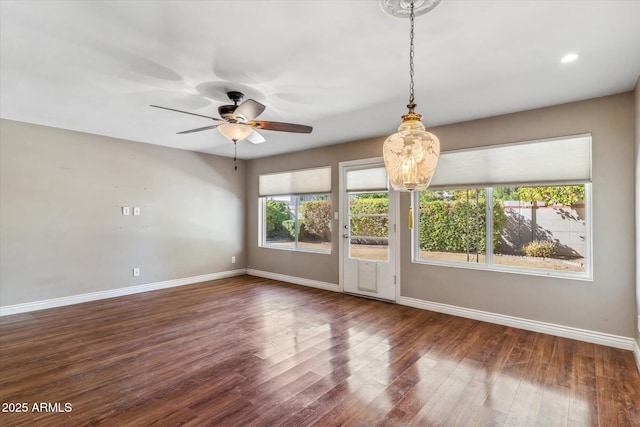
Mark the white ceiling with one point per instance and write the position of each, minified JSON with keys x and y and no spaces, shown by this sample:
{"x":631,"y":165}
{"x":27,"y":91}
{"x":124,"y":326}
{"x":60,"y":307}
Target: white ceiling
{"x":339,"y":66}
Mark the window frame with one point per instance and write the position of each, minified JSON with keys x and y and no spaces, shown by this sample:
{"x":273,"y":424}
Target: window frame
{"x":488,"y":265}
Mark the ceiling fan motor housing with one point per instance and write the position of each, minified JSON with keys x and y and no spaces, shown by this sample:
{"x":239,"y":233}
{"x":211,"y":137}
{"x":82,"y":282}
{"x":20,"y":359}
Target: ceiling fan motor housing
{"x":226,"y":111}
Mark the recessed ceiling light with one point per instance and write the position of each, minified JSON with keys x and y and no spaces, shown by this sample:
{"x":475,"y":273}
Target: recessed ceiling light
{"x":569,"y":57}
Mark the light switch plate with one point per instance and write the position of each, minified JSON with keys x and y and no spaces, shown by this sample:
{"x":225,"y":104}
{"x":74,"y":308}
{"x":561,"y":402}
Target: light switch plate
{"x":136,"y":210}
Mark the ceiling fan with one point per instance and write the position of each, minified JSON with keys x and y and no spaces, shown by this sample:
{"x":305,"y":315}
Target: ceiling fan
{"x":239,"y":120}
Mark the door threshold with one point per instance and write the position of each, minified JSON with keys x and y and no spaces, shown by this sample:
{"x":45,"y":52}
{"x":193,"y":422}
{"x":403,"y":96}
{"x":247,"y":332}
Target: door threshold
{"x":369,"y":297}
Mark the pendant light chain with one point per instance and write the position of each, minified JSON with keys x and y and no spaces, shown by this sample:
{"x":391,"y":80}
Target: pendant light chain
{"x":411,"y":104}
{"x":235,"y":155}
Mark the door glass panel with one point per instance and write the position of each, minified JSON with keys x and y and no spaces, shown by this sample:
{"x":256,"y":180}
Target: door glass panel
{"x":369,"y":225}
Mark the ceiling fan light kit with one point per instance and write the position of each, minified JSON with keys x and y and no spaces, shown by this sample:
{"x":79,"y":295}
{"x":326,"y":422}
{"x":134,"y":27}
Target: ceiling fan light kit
{"x":411,"y":154}
{"x":235,"y":131}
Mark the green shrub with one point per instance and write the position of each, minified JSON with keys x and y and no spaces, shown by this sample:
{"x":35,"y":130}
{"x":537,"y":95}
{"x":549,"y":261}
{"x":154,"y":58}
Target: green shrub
{"x":458,"y":225}
{"x":277,"y":212}
{"x":499,"y":220}
{"x":539,"y":248}
{"x":317,"y":219}
{"x":370,"y":226}
{"x":288,"y":226}
{"x":302,"y":229}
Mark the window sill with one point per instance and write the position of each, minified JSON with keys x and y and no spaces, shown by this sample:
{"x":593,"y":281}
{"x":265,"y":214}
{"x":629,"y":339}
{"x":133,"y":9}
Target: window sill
{"x":290,"y":249}
{"x":583,"y":276}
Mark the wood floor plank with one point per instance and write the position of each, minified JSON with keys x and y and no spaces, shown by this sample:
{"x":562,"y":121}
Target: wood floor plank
{"x":437,"y":410}
{"x":248,"y":351}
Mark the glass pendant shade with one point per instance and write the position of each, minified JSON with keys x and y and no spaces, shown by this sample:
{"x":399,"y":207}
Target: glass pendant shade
{"x":235,"y":131}
{"x":411,"y":155}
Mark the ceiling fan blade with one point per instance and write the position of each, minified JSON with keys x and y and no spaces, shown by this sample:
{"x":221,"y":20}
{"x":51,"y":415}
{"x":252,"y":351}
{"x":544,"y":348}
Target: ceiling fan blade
{"x":281,"y":127}
{"x":255,"y":138}
{"x":249,"y":109}
{"x":198,"y":130}
{"x":186,"y":112}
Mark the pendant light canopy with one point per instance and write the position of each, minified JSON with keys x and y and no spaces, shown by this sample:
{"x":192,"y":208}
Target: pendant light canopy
{"x":411,"y":154}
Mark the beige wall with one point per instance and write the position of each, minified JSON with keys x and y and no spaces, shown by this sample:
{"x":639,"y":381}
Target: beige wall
{"x":637,"y":194}
{"x":61,"y":226}
{"x":605,"y":304}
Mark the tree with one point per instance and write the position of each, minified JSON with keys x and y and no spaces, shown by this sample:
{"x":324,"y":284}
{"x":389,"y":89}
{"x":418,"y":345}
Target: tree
{"x":565,"y":195}
{"x":505,"y":193}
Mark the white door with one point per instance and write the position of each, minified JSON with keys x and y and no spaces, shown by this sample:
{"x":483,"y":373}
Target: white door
{"x":368,"y":230}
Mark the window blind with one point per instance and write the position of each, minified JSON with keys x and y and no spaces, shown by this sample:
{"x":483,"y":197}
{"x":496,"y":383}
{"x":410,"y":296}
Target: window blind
{"x":303,"y":181}
{"x":371,"y":179}
{"x":558,"y":161}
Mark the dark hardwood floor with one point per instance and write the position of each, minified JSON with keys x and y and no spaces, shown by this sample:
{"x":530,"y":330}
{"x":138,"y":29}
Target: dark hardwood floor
{"x":254,"y":352}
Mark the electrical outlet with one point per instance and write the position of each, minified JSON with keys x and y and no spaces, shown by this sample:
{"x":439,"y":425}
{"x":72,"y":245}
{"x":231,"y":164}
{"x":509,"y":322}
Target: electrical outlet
{"x":126,"y":210}
{"x":233,"y":260}
{"x":136,"y":272}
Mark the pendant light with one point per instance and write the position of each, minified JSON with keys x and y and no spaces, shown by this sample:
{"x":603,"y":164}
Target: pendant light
{"x":411,"y":154}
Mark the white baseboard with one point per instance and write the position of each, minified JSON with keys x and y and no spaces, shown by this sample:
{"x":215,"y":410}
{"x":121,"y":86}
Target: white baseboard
{"x":610,"y":340}
{"x":111,"y":293}
{"x":616,"y":341}
{"x":296,"y":280}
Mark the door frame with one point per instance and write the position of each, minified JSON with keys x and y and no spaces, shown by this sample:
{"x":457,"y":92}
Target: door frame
{"x":394,"y":202}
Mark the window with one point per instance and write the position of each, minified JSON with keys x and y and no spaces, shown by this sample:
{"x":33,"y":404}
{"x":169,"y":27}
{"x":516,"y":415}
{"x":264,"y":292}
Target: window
{"x":298,"y":222}
{"x":540,"y":227}
{"x":505,"y":223}
{"x":295,"y":210}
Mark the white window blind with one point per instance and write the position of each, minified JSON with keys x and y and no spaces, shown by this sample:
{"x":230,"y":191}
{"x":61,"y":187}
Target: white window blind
{"x":371,"y":179}
{"x":558,"y":161}
{"x":303,"y":181}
